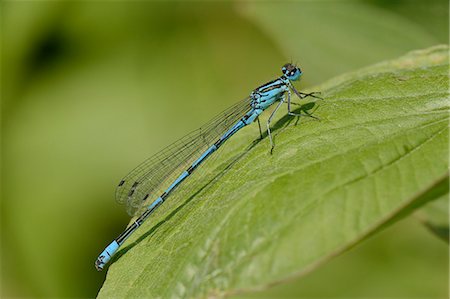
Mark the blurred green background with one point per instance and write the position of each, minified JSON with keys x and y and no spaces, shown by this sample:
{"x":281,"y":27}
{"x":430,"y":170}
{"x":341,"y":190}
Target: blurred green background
{"x":90,"y":89}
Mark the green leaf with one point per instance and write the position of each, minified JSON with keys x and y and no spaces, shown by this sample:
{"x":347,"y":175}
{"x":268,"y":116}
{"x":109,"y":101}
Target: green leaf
{"x":255,"y":219}
{"x":382,"y":260}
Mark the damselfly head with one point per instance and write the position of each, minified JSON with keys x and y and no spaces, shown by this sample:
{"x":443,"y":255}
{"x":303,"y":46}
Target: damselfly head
{"x":291,"y":71}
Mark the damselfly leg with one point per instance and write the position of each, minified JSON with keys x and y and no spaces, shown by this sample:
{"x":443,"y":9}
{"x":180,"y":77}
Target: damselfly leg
{"x":272,"y":145}
{"x":260,"y":131}
{"x":299,"y":114}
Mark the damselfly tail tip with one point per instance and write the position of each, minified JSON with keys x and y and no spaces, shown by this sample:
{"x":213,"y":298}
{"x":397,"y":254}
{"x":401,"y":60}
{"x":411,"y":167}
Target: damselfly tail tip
{"x":106,"y":255}
{"x":99,"y":264}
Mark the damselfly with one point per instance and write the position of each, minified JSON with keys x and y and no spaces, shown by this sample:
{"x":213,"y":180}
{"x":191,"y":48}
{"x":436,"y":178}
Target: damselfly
{"x":167,"y":169}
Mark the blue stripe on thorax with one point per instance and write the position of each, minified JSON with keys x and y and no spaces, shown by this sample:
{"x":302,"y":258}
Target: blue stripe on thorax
{"x":270,"y":85}
{"x":265,"y":95}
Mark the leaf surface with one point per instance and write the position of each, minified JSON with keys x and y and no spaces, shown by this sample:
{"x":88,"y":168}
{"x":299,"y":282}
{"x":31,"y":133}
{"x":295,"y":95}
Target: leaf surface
{"x":248,"y":219}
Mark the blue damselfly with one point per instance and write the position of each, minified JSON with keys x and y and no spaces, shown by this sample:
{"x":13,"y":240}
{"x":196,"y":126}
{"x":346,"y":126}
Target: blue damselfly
{"x":175,"y":163}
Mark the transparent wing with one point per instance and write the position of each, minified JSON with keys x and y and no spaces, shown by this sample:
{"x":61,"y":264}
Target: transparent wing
{"x":148,"y":180}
